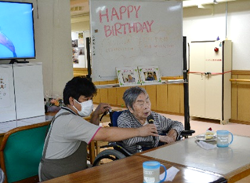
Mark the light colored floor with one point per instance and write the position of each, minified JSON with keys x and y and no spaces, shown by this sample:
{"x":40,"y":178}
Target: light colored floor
{"x":201,"y":125}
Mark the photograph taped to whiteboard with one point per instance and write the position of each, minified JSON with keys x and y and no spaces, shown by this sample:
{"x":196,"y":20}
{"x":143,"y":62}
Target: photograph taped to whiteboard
{"x":128,"y":76}
{"x":149,"y":75}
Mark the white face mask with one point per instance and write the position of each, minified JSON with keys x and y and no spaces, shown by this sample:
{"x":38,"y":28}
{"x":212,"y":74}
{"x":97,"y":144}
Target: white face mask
{"x":86,"y":108}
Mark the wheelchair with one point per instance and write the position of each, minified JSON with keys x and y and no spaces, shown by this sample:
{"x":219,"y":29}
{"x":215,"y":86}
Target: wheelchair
{"x":117,"y":151}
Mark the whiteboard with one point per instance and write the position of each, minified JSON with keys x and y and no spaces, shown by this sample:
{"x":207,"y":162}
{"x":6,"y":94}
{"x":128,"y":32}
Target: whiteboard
{"x":135,"y":33}
{"x":28,"y":79}
{"x":7,"y":99}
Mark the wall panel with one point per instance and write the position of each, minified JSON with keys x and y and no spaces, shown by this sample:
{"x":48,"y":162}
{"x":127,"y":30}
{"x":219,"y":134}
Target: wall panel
{"x":161,"y":98}
{"x":240,"y":96}
{"x":151,"y":90}
{"x":244,"y":100}
{"x":173,"y":96}
{"x":234,"y":99}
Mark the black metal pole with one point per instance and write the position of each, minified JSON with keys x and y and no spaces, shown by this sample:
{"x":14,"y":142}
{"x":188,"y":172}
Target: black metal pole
{"x":88,"y":58}
{"x":187,"y":132}
{"x":185,"y":77}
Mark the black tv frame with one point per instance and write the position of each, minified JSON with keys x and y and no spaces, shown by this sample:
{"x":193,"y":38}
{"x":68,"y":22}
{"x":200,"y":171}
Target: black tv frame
{"x":16,"y":59}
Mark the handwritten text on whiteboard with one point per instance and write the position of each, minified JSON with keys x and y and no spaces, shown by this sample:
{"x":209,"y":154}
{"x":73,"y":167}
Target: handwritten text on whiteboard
{"x":123,"y":12}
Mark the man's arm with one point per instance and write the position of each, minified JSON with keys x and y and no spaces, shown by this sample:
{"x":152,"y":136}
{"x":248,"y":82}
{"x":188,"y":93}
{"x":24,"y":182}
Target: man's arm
{"x":118,"y":134}
{"x":126,"y":120}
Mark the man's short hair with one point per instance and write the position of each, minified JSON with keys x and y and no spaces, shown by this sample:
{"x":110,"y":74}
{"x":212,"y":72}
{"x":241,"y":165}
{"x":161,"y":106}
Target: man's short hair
{"x":131,"y":94}
{"x":78,"y":86}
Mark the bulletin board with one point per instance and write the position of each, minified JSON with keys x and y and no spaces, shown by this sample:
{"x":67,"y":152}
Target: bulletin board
{"x":135,"y":33}
{"x":29,"y":96}
{"x":7,"y":98}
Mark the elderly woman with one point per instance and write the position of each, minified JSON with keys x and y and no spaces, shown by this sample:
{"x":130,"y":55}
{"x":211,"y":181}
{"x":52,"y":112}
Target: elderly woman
{"x":139,"y":108}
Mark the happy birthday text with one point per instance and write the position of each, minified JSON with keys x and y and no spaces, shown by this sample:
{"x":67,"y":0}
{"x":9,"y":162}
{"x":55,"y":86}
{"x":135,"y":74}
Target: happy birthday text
{"x":122,"y":13}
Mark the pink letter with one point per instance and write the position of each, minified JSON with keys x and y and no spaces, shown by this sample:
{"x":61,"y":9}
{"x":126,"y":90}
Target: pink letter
{"x":122,"y":11}
{"x":138,"y":29}
{"x":136,"y":15}
{"x":124,"y":28}
{"x":114,"y":13}
{"x":107,"y":30}
{"x":131,"y":26}
{"x":144,"y":26}
{"x":117,"y":28}
{"x":149,"y":25}
{"x":101,"y":15}
{"x":129,"y":10}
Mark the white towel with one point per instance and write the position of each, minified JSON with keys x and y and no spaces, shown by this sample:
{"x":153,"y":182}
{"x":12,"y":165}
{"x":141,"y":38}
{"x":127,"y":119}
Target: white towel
{"x":205,"y":145}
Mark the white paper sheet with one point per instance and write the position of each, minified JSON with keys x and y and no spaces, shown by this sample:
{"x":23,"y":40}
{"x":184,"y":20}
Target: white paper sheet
{"x":171,"y":172}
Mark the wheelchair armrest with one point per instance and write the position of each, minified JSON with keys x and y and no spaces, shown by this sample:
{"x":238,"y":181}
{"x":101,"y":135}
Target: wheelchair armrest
{"x":145,"y":144}
{"x":186,"y":133}
{"x":110,"y":144}
{"x":118,"y":147}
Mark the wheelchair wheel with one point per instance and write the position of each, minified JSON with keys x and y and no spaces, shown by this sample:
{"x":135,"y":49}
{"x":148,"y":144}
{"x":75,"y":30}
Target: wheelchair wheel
{"x":108,"y":155}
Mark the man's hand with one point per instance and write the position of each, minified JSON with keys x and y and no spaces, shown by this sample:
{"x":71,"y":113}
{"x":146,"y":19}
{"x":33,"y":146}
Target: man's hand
{"x":147,"y":130}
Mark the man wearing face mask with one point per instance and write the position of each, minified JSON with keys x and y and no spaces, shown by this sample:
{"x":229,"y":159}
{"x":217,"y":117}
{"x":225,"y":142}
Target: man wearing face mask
{"x":65,"y":148}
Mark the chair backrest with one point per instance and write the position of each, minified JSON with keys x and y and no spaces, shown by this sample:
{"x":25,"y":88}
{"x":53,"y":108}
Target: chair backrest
{"x":21,"y":151}
{"x":113,"y":117}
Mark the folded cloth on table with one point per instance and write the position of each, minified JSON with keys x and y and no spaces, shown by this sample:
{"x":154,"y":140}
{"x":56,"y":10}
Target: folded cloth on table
{"x":205,"y":145}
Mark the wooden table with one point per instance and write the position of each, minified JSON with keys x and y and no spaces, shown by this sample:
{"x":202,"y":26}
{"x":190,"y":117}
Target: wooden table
{"x":129,"y":170}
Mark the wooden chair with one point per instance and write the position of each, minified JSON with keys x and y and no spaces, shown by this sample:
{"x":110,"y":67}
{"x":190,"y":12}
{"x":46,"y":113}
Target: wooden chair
{"x":21,"y":152}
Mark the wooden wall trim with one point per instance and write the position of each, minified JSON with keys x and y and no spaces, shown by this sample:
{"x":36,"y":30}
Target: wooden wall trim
{"x":80,"y":69}
{"x":171,"y":77}
{"x":239,"y":121}
{"x":240,"y":72}
{"x":240,"y":80}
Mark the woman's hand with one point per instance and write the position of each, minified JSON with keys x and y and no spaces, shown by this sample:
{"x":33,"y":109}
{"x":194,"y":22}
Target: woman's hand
{"x":170,"y":137}
{"x":101,"y":108}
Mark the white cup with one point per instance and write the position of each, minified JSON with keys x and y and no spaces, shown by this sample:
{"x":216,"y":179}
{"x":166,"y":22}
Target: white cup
{"x":223,"y":138}
{"x":151,"y":172}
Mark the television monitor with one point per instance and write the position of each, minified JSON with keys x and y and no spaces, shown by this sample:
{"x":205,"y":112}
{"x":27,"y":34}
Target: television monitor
{"x":17,"y":39}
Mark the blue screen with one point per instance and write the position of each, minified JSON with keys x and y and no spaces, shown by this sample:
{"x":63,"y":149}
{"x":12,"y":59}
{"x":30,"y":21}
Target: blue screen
{"x":16,"y":30}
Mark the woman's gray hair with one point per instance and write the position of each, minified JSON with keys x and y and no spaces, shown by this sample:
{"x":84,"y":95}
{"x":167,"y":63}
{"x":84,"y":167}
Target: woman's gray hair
{"x":131,"y":94}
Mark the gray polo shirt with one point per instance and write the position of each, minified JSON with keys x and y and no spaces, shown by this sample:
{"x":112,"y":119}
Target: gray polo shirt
{"x":67,"y":133}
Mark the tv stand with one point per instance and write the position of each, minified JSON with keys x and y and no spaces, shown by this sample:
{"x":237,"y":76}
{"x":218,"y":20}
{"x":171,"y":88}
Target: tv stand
{"x":12,"y":61}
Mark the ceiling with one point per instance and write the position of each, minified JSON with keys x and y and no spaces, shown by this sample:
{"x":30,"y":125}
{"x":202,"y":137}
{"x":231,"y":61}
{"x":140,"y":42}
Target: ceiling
{"x":80,"y":8}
